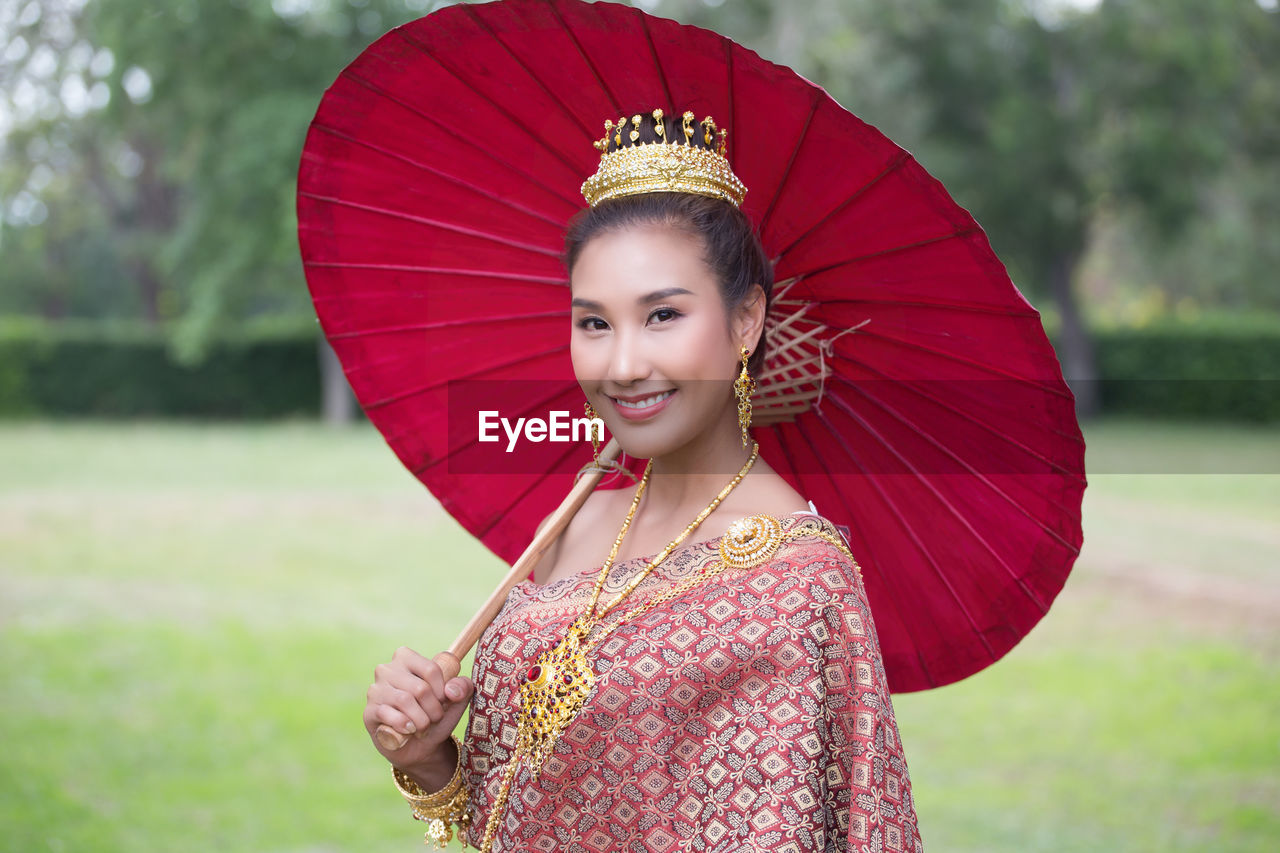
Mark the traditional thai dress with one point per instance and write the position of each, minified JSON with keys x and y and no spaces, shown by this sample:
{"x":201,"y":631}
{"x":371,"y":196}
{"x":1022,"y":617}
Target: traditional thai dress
{"x":751,"y":712}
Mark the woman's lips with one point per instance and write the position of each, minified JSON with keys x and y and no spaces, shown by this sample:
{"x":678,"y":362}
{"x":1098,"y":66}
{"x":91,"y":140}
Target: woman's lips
{"x":631,"y":413}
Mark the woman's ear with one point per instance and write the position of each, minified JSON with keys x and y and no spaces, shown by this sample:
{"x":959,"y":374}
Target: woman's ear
{"x":749,"y":318}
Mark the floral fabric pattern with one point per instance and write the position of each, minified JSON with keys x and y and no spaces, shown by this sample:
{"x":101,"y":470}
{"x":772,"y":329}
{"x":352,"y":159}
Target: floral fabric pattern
{"x":750,"y":713}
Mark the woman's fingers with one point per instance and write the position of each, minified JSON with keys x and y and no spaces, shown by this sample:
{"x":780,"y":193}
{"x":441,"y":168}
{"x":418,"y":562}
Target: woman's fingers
{"x":421,"y":692}
{"x":410,"y":694}
{"x":389,"y":715}
{"x":459,"y":689}
{"x":413,"y":717}
{"x":424,"y":668}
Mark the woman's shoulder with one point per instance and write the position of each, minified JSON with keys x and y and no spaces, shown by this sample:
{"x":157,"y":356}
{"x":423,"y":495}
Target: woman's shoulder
{"x":801,"y":542}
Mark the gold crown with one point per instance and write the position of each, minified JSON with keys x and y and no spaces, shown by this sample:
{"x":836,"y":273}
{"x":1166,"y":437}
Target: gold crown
{"x":662,"y":165}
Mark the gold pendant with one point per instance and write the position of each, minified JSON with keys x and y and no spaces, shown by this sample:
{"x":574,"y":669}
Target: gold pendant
{"x":555,"y":689}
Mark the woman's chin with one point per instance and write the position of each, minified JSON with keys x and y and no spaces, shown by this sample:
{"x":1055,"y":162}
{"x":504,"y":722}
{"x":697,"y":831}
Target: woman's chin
{"x":637,"y":445}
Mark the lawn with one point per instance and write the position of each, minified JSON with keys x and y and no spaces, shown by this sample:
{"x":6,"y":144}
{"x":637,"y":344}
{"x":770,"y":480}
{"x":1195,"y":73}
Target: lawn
{"x":190,"y":614}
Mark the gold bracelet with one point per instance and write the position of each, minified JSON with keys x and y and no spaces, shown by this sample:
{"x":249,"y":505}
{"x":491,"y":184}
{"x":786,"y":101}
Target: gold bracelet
{"x":440,"y":809}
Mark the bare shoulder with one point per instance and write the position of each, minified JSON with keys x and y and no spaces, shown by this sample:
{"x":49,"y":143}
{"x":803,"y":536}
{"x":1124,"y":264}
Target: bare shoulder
{"x":599,"y":507}
{"x":767,"y":493}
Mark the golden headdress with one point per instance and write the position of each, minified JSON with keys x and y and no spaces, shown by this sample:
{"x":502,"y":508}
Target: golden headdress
{"x":691,"y":162}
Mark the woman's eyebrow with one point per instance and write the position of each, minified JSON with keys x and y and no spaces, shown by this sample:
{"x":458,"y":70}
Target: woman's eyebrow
{"x":655,"y":296}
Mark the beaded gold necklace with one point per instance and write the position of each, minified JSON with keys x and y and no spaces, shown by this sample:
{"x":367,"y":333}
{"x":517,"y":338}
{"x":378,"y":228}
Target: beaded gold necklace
{"x":557,"y":685}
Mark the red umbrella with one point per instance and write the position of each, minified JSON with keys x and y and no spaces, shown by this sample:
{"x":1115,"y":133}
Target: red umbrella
{"x":910,"y":391}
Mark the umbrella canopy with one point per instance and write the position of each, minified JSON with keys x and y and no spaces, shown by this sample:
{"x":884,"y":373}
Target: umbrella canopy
{"x":910,"y":391}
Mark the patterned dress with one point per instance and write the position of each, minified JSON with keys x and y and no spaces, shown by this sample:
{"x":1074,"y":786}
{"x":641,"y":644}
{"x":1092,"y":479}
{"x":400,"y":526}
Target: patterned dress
{"x":750,"y":713}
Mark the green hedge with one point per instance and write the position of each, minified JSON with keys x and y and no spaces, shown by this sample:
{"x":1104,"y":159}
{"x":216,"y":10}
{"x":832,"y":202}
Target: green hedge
{"x":125,"y":370}
{"x":1221,"y":369}
{"x":1217,"y":370}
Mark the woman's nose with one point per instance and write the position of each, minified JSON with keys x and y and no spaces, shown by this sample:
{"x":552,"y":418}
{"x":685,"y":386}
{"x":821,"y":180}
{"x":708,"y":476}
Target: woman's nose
{"x":627,"y":360}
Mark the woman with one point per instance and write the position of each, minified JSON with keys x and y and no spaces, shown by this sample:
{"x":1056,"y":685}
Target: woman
{"x":716,"y":683}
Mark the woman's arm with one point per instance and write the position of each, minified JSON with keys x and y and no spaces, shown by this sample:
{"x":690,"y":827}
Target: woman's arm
{"x":865,"y":763}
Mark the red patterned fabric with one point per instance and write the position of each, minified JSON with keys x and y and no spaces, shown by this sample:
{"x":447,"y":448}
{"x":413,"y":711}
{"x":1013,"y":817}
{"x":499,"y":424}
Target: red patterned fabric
{"x":751,"y":713}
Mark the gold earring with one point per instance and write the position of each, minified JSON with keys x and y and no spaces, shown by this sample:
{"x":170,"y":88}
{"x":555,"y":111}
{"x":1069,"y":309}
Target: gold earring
{"x":614,"y":467}
{"x":743,"y":387}
{"x":595,"y":442}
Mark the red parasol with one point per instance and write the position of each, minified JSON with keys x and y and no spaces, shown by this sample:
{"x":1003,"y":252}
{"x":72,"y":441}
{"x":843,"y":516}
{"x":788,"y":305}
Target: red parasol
{"x":910,"y":391}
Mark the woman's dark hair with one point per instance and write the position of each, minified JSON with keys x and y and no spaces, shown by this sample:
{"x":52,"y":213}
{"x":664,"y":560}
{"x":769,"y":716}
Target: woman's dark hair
{"x":731,"y":247}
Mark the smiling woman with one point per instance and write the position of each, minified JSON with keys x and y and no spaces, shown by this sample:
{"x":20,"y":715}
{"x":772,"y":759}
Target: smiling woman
{"x":724,"y":691}
{"x":653,"y":333}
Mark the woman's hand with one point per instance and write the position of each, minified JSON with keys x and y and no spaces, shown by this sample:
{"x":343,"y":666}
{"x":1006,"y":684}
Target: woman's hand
{"x":410,"y":695}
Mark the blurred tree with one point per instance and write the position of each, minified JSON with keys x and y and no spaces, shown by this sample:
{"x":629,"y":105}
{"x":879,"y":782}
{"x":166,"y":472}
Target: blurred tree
{"x":157,"y":144}
{"x":1039,"y":115}
{"x":227,"y":91}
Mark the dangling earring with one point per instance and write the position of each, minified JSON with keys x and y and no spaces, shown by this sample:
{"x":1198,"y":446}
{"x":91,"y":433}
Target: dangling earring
{"x":743,"y":387}
{"x":614,"y":467}
{"x":595,"y":442}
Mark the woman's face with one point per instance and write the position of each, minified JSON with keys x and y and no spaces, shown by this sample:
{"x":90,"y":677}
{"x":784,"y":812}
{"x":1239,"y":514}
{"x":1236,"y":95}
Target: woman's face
{"x":651,"y":343}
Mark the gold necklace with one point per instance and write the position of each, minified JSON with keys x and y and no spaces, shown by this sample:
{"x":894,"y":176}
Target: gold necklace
{"x":557,"y":685}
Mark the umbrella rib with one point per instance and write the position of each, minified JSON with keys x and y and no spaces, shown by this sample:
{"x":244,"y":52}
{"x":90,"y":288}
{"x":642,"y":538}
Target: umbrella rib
{"x":435,"y":223}
{"x":494,"y":197}
{"x":949,"y":306}
{"x":653,"y":52}
{"x":795,"y":151}
{"x":501,"y":274}
{"x":733,"y":100}
{"x":1035,"y":599}
{"x":374,"y":294}
{"x":617,"y":105}
{"x":978,"y":365}
{"x":995,"y":488}
{"x":422,"y":327}
{"x":422,"y":389}
{"x":559,"y":102}
{"x":933,"y":563}
{"x":852,"y":515}
{"x":892,"y":166}
{"x":533,"y":484}
{"x":514,"y":119}
{"x":884,"y":253}
{"x":474,"y":142}
{"x":1020,"y":445}
{"x":524,"y":493}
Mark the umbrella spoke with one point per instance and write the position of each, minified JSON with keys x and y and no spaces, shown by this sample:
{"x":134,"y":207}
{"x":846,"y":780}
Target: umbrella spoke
{"x":956,"y":513}
{"x":947,"y":306}
{"x":891,"y":167}
{"x":476,"y":375}
{"x":1049,"y":386}
{"x":423,"y":327}
{"x":960,"y":413}
{"x":443,"y":225}
{"x":878,"y":565}
{"x":496,"y":198}
{"x":478,"y":21}
{"x":444,"y":271}
{"x":582,"y":52}
{"x":815,"y":99}
{"x":884,"y":253}
{"x":904,"y":520}
{"x":556,"y":192}
{"x":437,"y":57}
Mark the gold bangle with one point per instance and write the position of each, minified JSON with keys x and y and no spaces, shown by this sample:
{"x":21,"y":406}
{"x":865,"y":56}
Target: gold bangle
{"x":439,"y":809}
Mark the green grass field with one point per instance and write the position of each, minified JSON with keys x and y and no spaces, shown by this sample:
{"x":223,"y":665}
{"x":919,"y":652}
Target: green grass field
{"x":190,"y":615}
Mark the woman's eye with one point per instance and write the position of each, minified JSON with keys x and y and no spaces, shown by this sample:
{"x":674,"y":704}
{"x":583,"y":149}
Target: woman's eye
{"x":586,"y":323}
{"x":664,"y":314}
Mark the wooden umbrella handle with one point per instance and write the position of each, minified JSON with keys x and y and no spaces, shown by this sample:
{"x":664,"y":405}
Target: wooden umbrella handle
{"x":450,"y":661}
